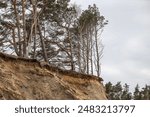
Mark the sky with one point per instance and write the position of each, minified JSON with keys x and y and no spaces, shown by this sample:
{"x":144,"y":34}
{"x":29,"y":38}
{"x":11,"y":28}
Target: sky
{"x":126,"y":38}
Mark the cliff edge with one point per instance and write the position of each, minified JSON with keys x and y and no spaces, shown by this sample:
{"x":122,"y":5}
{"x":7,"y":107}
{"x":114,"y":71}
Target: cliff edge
{"x":22,"y":78}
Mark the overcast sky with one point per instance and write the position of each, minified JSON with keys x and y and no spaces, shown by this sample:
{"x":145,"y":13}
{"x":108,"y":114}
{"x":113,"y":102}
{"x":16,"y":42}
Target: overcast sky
{"x":126,"y":39}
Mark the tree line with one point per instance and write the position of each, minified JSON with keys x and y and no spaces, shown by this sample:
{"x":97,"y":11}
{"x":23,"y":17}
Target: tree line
{"x":53,"y":31}
{"x":121,"y":92}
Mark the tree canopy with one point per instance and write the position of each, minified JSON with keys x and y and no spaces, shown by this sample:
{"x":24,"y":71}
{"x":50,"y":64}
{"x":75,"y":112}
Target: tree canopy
{"x":53,"y":31}
{"x":122,"y":92}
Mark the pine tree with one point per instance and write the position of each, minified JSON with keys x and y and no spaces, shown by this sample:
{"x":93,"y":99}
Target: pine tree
{"x":53,"y":31}
{"x":126,"y":95}
{"x":146,"y":92}
{"x":90,"y":25}
{"x":109,"y":90}
{"x":137,"y":94}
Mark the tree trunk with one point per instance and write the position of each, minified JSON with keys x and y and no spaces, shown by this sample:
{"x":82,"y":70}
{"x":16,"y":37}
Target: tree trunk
{"x":71,"y":51}
{"x":24,"y":29}
{"x":91,"y":50}
{"x":87,"y":50}
{"x":79,"y":51}
{"x":18,"y":26}
{"x":97,"y":54}
{"x":34,"y":3}
{"x":43,"y":44}
{"x":14,"y":42}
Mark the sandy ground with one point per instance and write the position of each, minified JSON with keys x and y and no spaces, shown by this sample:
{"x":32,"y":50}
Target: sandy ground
{"x":21,"y":79}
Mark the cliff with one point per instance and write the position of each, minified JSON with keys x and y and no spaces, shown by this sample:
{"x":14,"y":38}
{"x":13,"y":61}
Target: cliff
{"x":22,"y":78}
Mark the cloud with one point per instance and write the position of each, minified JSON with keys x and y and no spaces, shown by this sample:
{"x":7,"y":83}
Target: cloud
{"x":145,"y":72}
{"x":112,"y":70}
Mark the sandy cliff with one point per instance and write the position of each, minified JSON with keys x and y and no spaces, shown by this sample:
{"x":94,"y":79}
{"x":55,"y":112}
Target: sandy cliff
{"x":29,"y":79}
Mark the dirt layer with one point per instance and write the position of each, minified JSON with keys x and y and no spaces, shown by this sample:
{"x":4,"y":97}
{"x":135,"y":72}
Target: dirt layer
{"x":23,"y":79}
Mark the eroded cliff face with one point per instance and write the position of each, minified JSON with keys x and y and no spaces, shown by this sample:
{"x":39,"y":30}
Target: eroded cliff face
{"x":29,"y":79}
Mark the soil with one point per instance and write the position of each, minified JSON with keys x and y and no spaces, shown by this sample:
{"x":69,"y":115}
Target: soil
{"x":28,"y":79}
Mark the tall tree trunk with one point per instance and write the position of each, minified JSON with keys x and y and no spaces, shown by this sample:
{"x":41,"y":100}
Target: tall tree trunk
{"x":79,"y":51}
{"x":14,"y":2}
{"x":91,"y":50}
{"x":87,"y":50}
{"x":34,"y":4}
{"x":43,"y":44}
{"x":83,"y":56}
{"x":14,"y":42}
{"x":71,"y":51}
{"x":24,"y":29}
{"x":97,"y":53}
